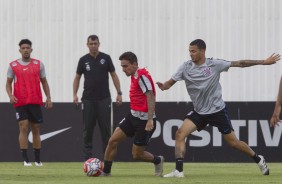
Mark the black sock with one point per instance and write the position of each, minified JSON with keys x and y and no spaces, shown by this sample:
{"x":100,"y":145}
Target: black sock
{"x":107,"y":166}
{"x":37,"y":155}
{"x":24,"y":155}
{"x":156,"y":160}
{"x":256,"y":158}
{"x":179,"y":164}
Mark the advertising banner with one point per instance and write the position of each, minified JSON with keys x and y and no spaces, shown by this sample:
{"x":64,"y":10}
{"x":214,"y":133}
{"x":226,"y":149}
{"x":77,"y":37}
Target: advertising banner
{"x":61,"y":134}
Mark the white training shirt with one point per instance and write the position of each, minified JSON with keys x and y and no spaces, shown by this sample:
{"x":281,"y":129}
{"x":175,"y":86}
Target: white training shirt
{"x":202,"y":83}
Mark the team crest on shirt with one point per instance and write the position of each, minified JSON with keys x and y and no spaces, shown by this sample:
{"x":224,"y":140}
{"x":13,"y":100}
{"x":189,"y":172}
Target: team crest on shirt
{"x":102,"y":61}
{"x":207,"y":71}
{"x":35,"y":62}
{"x":87,"y":66}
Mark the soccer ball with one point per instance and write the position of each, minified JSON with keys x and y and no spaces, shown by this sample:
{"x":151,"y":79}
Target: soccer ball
{"x":93,"y":167}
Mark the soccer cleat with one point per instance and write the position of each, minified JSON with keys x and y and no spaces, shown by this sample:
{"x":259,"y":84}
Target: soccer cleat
{"x":175,"y":174}
{"x":38,"y":164}
{"x":105,"y":174}
{"x":262,"y":165}
{"x":27,"y":164}
{"x":159,"y":167}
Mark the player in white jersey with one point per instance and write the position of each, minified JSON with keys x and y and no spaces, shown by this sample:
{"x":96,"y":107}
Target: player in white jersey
{"x":201,"y":76}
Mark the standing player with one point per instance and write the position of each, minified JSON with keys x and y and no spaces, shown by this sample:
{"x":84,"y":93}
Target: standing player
{"x":275,"y":119}
{"x":96,"y":98}
{"x":140,"y":123}
{"x":201,"y":76}
{"x":27,"y":73}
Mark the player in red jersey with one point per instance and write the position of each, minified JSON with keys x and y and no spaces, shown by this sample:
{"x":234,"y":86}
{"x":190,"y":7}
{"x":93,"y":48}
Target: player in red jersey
{"x":140,"y":122}
{"x":27,"y":73}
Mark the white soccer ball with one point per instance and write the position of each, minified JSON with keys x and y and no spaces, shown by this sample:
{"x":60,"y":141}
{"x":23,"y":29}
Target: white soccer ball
{"x":93,"y":167}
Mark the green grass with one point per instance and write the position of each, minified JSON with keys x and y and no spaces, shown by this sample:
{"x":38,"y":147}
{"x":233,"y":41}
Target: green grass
{"x":138,"y":172}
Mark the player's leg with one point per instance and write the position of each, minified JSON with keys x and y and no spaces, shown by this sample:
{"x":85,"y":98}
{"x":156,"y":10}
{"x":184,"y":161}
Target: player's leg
{"x":185,"y":129}
{"x":104,"y":120}
{"x":89,"y":121}
{"x":235,"y":143}
{"x":139,"y":153}
{"x":225,"y":127}
{"x":23,"y":140}
{"x":141,"y":140}
{"x":124,"y":130}
{"x":232,"y":140}
{"x":35,"y":128}
{"x":36,"y":118}
{"x":222,"y":122}
{"x":111,"y":150}
{"x":22,"y":118}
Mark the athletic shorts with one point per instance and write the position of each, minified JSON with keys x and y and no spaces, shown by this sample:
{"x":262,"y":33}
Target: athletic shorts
{"x":219,"y":119}
{"x":30,"y":112}
{"x":135,"y":127}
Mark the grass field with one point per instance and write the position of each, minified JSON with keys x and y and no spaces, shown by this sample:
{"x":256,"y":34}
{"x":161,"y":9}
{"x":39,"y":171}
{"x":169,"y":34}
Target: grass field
{"x":138,"y":172}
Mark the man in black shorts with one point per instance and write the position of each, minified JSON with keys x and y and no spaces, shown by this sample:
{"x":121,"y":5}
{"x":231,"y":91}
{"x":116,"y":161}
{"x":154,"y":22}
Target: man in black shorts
{"x":27,"y":73}
{"x":140,"y":123}
{"x":201,"y":76}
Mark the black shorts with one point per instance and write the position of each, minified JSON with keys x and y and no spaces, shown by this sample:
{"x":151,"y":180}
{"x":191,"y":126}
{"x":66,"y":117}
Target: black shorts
{"x":31,"y":112}
{"x":133,"y":126}
{"x":219,"y":119}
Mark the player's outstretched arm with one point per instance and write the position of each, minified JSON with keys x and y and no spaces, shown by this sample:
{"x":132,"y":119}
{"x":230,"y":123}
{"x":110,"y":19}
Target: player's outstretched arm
{"x":247,"y":63}
{"x":166,"y":85}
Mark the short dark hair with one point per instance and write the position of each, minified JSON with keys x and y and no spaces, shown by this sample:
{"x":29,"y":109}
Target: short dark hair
{"x":25,"y":41}
{"x":129,"y":56}
{"x":92,"y":37}
{"x":199,"y":43}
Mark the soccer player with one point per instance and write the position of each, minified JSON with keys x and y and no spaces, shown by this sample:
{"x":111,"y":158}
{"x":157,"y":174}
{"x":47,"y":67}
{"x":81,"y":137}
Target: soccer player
{"x":275,"y":119}
{"x":140,"y":122}
{"x":201,"y":76}
{"x":27,"y":73}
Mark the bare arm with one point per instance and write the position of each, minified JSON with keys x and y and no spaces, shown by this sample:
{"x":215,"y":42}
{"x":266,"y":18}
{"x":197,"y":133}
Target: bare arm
{"x":117,"y":86}
{"x":151,"y":103}
{"x":277,"y":110}
{"x":46,"y":90}
{"x":166,"y":85}
{"x":247,"y":63}
{"x":9,"y":90}
{"x":151,"y":109}
{"x":75,"y":87}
